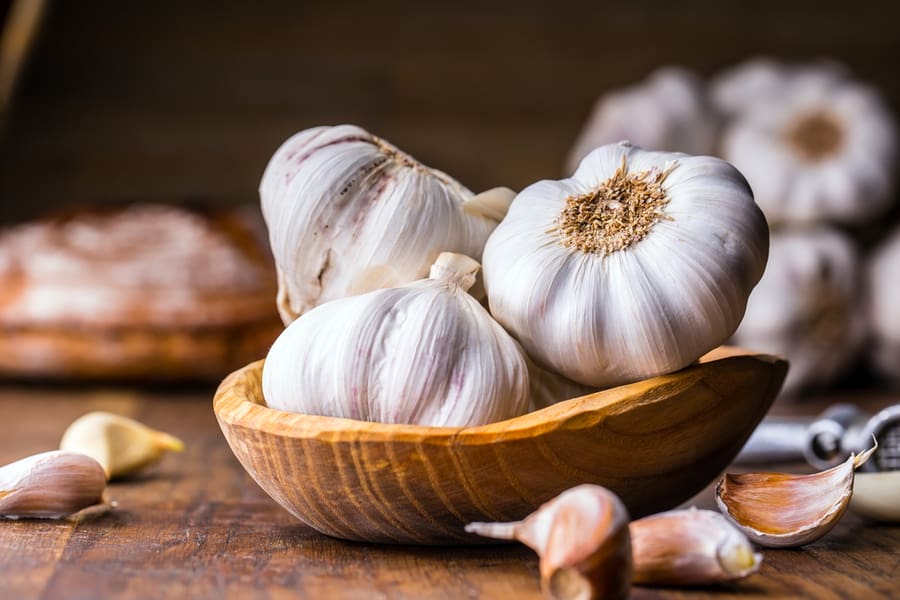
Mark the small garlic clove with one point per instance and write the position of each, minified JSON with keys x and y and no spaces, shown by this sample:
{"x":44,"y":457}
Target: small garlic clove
{"x":779,"y":510}
{"x":50,"y":485}
{"x":121,"y":445}
{"x":877,"y":496}
{"x":582,"y":539}
{"x":690,"y":547}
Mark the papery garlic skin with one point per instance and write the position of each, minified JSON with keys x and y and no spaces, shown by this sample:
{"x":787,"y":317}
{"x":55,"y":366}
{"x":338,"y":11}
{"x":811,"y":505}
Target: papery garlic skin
{"x":690,"y":547}
{"x":882,"y":294}
{"x":547,"y":388}
{"x":50,"y":485}
{"x":666,"y":111}
{"x":349,"y":213}
{"x":807,"y":307}
{"x":817,"y":146}
{"x":643,"y":306}
{"x":426,"y":353}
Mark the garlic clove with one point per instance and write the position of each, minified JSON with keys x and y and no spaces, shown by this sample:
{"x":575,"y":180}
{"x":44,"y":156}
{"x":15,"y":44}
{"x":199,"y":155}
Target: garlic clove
{"x":780,"y":510}
{"x":50,"y":485}
{"x":492,"y":204}
{"x":583,"y":542}
{"x":877,"y":496}
{"x":690,"y":547}
{"x":121,"y":445}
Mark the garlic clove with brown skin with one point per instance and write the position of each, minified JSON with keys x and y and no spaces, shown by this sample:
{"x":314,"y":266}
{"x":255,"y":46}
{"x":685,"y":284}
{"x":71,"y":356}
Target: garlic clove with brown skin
{"x":583,"y":542}
{"x":690,"y":547}
{"x":50,"y":485}
{"x":780,"y":510}
{"x":121,"y":445}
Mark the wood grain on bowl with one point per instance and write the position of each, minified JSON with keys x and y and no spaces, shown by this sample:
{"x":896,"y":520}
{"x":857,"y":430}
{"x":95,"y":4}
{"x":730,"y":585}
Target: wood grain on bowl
{"x":655,"y":443}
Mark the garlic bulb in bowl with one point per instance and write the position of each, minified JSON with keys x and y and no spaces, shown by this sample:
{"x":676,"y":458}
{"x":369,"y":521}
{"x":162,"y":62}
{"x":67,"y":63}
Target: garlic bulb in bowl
{"x":348,"y":213}
{"x":426,"y":353}
{"x":807,"y":306}
{"x":816,"y":147}
{"x":666,"y":111}
{"x":635,"y":266}
{"x":883,"y":292}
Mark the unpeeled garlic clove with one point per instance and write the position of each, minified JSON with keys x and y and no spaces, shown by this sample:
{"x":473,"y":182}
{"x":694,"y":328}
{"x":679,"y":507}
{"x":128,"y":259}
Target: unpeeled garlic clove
{"x":121,"y":445}
{"x":780,"y":510}
{"x":690,"y":547}
{"x":50,"y":485}
{"x":582,"y":539}
{"x":877,"y":496}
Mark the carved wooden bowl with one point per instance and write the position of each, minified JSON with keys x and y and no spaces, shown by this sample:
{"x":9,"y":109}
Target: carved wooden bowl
{"x":655,"y":443}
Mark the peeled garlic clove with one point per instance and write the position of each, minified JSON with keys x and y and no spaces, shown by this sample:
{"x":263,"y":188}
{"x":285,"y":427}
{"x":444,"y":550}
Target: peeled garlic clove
{"x":666,"y":111}
{"x":349,"y":213}
{"x":877,"y":496}
{"x":121,"y":445}
{"x":583,"y":542}
{"x":637,"y":265}
{"x":50,"y":485}
{"x":779,"y":510}
{"x":690,"y":547}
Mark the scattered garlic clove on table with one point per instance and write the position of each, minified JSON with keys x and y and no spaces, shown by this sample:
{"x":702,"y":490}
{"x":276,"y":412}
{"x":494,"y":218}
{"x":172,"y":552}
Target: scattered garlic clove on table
{"x":636,"y":266}
{"x":583,"y":542}
{"x":807,"y":306}
{"x":50,"y":485}
{"x":690,"y":547}
{"x":349,"y":213}
{"x":666,"y":111}
{"x":779,"y":510}
{"x":426,"y":353}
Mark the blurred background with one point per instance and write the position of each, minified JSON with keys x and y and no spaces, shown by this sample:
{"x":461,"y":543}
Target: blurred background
{"x":170,"y":100}
{"x":113,"y":103}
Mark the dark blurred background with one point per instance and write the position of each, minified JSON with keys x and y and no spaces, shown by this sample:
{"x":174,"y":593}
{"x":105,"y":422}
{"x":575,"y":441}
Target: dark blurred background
{"x":172,"y":101}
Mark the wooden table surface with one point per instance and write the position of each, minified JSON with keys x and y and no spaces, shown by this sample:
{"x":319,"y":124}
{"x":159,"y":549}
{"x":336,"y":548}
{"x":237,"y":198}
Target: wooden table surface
{"x":195,"y":525}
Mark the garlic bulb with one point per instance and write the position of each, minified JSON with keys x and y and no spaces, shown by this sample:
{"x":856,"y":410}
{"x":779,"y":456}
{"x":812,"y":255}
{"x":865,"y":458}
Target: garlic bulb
{"x":426,"y":353}
{"x":883,"y":291}
{"x":547,"y":387}
{"x":635,"y":266}
{"x":815,"y":146}
{"x":349,"y":213}
{"x":666,"y":111}
{"x":806,"y":307}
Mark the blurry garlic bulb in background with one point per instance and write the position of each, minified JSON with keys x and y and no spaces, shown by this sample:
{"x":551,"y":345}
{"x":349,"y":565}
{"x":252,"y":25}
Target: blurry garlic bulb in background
{"x":883,"y":297}
{"x":806,"y":307}
{"x":737,"y":89}
{"x":426,"y":353}
{"x":816,"y":147}
{"x":666,"y":111}
{"x":349,"y":213}
{"x":635,"y":266}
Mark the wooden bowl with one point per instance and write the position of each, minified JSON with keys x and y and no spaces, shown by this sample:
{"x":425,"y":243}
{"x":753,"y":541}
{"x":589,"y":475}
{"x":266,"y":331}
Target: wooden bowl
{"x":655,"y":443}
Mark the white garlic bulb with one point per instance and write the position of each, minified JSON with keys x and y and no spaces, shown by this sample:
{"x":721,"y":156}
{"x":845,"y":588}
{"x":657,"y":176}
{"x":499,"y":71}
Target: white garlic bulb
{"x":349,"y":213}
{"x":883,"y":294}
{"x":814,"y":145}
{"x":637,"y":265}
{"x":666,"y":111}
{"x":426,"y":353}
{"x":807,"y":306}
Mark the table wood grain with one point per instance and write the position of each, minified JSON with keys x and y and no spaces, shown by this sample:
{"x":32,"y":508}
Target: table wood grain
{"x":195,"y":525}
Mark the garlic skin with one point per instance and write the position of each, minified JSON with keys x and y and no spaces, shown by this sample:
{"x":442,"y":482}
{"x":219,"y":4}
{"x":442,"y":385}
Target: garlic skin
{"x":664,"y":277}
{"x":882,"y":291}
{"x":666,"y":111}
{"x":816,"y":147}
{"x":690,"y":547}
{"x":807,"y":307}
{"x":50,"y":485}
{"x":582,"y":538}
{"x":349,"y":213}
{"x":426,"y":353}
{"x":121,"y":445}
{"x":547,"y":388}
{"x":779,"y":510}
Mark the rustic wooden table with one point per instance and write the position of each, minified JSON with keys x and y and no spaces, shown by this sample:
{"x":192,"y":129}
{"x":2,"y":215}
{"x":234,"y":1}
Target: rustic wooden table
{"x":197,"y":526}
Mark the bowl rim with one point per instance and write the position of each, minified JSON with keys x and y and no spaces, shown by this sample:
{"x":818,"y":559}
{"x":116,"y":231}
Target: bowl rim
{"x":238,"y":402}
